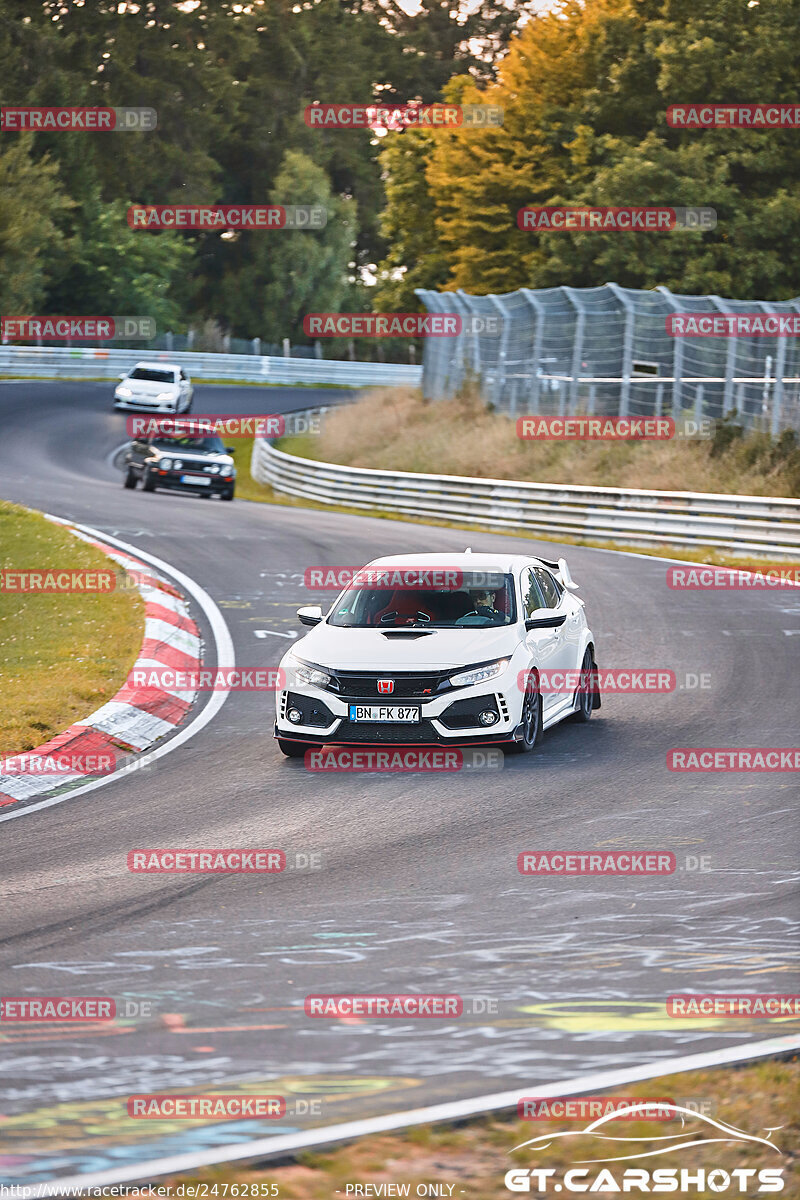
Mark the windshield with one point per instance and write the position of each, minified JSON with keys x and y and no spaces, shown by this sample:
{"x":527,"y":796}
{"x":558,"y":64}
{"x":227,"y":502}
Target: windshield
{"x":152,"y":374}
{"x":212,"y":444}
{"x":475,"y":598}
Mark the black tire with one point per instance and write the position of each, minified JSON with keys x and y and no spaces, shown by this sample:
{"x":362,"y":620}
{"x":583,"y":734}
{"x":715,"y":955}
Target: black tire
{"x":532,"y":721}
{"x":131,"y":478}
{"x":148,"y":483}
{"x":227,"y":495}
{"x":587,"y":689}
{"x":293,"y":749}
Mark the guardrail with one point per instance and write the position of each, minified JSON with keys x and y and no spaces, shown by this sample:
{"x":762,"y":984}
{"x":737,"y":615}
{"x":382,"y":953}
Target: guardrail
{"x":46,"y":362}
{"x":737,"y":524}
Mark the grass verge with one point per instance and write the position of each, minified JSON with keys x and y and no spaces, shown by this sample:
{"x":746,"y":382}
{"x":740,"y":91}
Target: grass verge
{"x":61,"y":656}
{"x":307,"y":446}
{"x":396,"y":429}
{"x":474,"y":1155}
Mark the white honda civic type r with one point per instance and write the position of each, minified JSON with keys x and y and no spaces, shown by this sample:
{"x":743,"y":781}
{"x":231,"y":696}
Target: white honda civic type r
{"x":441,"y":649}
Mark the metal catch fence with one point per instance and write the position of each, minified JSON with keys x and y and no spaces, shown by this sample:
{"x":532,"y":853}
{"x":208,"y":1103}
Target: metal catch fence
{"x":607,"y":351}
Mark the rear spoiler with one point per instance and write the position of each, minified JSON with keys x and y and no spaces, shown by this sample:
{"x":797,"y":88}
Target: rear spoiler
{"x":561,"y":572}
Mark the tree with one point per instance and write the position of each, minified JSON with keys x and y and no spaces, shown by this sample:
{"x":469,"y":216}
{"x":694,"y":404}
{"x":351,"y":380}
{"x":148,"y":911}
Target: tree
{"x":277,"y":276}
{"x":108,"y":268}
{"x":414,"y":259}
{"x":32,"y":204}
{"x":585,"y":89}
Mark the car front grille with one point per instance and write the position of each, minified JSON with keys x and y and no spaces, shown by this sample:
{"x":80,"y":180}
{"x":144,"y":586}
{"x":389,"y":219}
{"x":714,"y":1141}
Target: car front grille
{"x":361,"y":731}
{"x":363,"y":685}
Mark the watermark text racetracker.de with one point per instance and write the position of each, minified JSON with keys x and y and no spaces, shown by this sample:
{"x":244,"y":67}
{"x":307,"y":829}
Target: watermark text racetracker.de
{"x":51,"y":581}
{"x":760,"y":576}
{"x":227,"y":216}
{"x":404,"y":758}
{"x":220,"y":861}
{"x":410,"y":325}
{"x":65,"y":329}
{"x":764,"y":115}
{"x":609,"y":429}
{"x":77,"y":120}
{"x":734,"y":758}
{"x":224,"y":425}
{"x":614,"y":219}
{"x":402,"y":116}
{"x":203,"y":679}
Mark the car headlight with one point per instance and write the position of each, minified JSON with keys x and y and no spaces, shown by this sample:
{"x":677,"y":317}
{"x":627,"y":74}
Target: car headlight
{"x":214,"y":469}
{"x":308,"y":673}
{"x":177,"y":464}
{"x":165,"y":464}
{"x":479,"y":674}
{"x":166,"y":396}
{"x":124,"y":391}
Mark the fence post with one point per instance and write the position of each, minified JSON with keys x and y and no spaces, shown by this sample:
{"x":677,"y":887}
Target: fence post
{"x":777,"y":393}
{"x":677,"y":356}
{"x":436,"y":364}
{"x":287,"y":348}
{"x":168,"y":339}
{"x":577,"y":349}
{"x":500,"y":375}
{"x":538,"y":335}
{"x":627,"y":349}
{"x":459,"y":356}
{"x":730,"y":357}
{"x":255,"y":345}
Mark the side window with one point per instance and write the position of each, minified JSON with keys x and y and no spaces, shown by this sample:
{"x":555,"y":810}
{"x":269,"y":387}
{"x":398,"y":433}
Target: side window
{"x":550,"y":589}
{"x":531,"y":595}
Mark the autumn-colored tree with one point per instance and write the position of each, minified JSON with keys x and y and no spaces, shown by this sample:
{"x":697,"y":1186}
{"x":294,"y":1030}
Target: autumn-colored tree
{"x":585,"y":89}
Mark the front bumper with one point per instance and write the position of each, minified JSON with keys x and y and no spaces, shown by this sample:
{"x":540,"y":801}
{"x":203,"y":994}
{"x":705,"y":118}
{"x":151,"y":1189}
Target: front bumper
{"x":444,"y":720}
{"x":144,"y":404}
{"x":172,"y":481}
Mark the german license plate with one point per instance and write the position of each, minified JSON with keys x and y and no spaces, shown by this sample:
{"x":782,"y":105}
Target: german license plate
{"x":381,"y":712}
{"x":196,"y":479}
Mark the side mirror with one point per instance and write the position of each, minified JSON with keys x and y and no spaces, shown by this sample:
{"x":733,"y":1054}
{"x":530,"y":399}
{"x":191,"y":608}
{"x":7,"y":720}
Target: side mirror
{"x":123,"y":375}
{"x":230,"y":450}
{"x":311,"y":614}
{"x":544,"y":618}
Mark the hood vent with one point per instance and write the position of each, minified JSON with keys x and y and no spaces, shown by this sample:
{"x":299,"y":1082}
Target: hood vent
{"x":406,"y":634}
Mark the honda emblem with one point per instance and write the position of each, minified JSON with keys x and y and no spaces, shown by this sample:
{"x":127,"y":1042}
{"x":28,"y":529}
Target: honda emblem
{"x":385,"y":687}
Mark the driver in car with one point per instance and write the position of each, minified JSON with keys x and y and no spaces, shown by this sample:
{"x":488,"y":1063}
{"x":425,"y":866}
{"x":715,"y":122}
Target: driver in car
{"x":483,"y":602}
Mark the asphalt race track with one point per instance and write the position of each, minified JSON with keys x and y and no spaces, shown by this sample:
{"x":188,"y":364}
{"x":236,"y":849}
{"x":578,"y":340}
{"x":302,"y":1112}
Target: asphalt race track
{"x":417,"y":888}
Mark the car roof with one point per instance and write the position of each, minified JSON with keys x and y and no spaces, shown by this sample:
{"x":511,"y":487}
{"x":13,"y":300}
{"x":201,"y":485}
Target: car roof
{"x":158,"y":366}
{"x":466,"y":562}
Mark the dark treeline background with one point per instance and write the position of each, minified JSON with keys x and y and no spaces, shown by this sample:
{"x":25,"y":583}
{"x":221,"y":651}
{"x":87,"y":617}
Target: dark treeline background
{"x":584,"y":87}
{"x":230,"y":83}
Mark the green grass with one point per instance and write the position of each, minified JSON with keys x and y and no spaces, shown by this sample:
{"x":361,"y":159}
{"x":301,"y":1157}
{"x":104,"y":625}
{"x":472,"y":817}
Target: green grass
{"x":61,"y":656}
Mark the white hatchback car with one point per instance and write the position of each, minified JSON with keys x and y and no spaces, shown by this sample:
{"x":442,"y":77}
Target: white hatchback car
{"x":155,"y":387}
{"x":436,"y":649}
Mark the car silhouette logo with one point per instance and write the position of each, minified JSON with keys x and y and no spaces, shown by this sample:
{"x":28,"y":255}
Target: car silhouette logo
{"x":385,"y":687}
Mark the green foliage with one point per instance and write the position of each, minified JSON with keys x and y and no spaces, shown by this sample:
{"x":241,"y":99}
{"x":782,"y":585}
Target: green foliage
{"x":229,"y":82}
{"x":585,"y":89}
{"x":31,"y":205}
{"x":107,"y":267}
{"x":275,"y":278}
